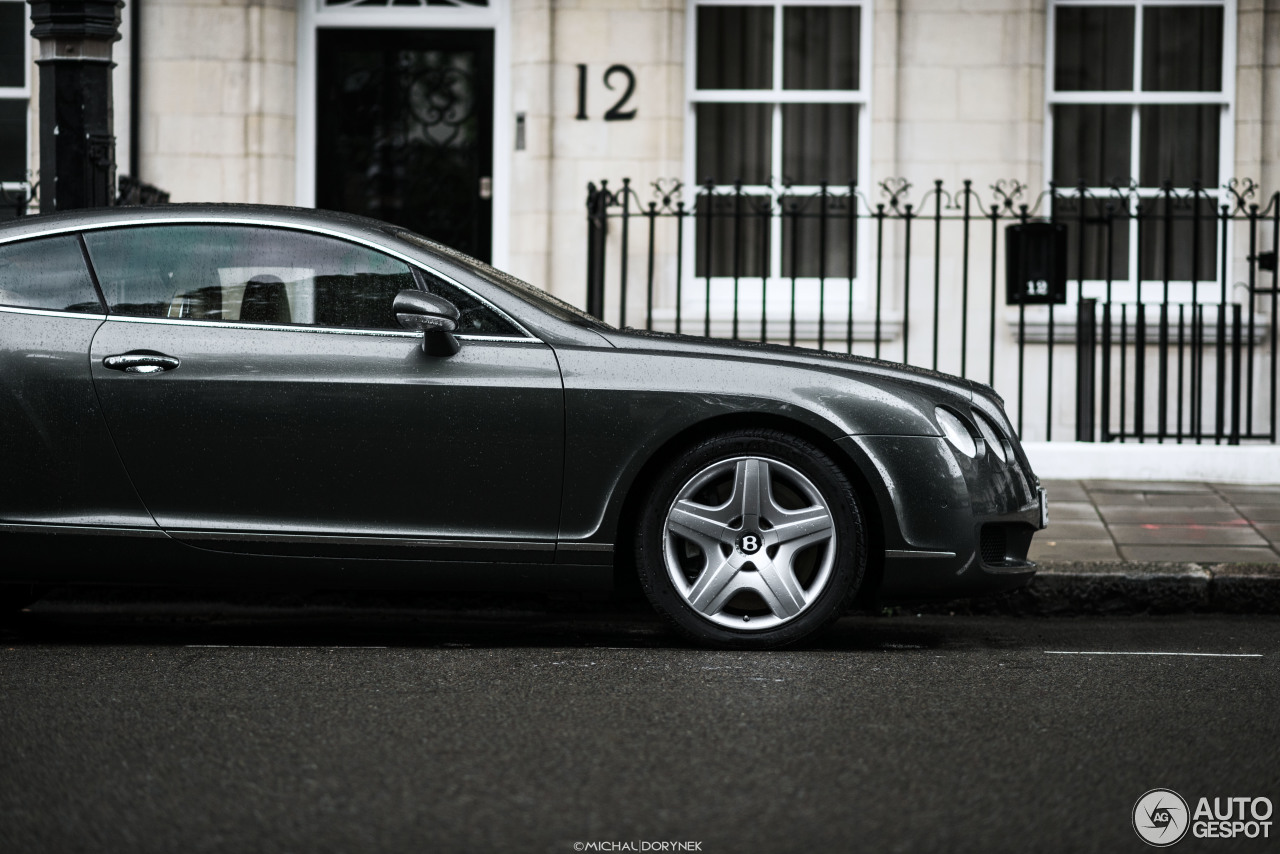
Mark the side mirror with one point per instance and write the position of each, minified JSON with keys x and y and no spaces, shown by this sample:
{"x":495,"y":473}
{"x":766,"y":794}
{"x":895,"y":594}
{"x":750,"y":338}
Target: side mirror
{"x":436,"y":318}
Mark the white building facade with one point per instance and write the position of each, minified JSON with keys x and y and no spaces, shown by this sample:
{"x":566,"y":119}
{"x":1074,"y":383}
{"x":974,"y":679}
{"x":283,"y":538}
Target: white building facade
{"x":480,"y":123}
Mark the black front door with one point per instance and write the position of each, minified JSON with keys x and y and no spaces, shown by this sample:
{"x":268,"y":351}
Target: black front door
{"x":404,"y":130}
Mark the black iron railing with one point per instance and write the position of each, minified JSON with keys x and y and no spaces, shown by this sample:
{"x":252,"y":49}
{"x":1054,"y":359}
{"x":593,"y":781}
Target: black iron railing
{"x":21,"y":198}
{"x":17,"y":198}
{"x":1166,"y":299}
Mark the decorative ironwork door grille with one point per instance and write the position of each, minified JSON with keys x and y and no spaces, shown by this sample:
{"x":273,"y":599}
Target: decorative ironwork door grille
{"x":404,"y":130}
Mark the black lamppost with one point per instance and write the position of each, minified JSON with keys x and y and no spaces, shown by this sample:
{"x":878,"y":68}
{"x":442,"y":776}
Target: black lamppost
{"x":77,"y":148}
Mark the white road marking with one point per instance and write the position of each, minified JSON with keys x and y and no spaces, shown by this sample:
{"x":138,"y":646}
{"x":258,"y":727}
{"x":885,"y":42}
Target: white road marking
{"x":1192,"y":654}
{"x":264,"y":646}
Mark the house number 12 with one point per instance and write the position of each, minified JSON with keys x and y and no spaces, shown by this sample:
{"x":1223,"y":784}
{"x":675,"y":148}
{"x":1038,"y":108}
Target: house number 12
{"x":614,"y":113}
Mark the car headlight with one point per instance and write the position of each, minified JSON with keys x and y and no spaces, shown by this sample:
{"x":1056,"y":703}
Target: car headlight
{"x":955,"y":431}
{"x":992,"y":436}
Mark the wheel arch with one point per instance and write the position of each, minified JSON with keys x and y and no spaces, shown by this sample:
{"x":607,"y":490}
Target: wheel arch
{"x":632,"y":502}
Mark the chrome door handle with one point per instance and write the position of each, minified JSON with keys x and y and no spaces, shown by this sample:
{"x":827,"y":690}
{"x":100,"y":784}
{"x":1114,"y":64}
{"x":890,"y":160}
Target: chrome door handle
{"x":141,"y":362}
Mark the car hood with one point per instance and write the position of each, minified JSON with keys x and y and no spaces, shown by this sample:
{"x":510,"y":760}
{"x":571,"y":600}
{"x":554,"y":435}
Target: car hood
{"x":824,"y":360}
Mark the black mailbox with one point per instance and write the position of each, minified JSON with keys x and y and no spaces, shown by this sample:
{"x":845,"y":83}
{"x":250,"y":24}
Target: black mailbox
{"x":1036,"y":263}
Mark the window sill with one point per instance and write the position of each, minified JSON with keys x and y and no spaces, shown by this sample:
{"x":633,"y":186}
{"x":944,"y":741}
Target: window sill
{"x":836,"y":329}
{"x":1036,"y":324}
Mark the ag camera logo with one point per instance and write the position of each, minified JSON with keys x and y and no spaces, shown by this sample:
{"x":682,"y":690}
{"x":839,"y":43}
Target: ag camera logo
{"x":1160,"y":817}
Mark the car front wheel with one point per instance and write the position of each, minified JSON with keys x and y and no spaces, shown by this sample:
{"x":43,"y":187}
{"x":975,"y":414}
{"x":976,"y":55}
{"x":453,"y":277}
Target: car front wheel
{"x":751,"y":539}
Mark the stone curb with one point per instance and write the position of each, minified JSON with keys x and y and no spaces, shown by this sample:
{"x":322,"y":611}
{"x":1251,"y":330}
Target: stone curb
{"x":1067,"y":588}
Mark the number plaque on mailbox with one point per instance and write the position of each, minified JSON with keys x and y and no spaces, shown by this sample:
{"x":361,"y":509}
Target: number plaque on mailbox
{"x":1036,"y":263}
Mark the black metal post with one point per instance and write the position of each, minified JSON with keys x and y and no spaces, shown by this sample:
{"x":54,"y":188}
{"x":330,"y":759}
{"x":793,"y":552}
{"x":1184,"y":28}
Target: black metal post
{"x":964,"y":286}
{"x":1236,"y":334}
{"x":1250,"y":302}
{"x":77,"y":148}
{"x":626,"y":250}
{"x":737,"y":251}
{"x":853,"y":216}
{"x":1105,"y":432}
{"x":1086,"y":340}
{"x":709,"y":198}
{"x":1140,"y":373}
{"x":652,"y":214}
{"x":597,"y":231}
{"x":906,"y":284}
{"x":937,"y":281}
{"x":1124,"y":365}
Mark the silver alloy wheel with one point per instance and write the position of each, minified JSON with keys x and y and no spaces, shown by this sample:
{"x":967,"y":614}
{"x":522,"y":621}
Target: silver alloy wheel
{"x":749,"y":543}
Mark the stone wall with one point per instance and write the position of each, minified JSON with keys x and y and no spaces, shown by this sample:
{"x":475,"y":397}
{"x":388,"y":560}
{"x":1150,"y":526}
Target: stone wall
{"x":217,"y":96}
{"x":957,"y":91}
{"x":649,"y":38}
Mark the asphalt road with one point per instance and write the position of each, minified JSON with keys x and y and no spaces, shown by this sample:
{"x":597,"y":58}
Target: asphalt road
{"x":172,"y":729}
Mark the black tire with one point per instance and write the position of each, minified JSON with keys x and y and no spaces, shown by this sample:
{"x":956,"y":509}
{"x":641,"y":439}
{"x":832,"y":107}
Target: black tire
{"x":673,"y":567}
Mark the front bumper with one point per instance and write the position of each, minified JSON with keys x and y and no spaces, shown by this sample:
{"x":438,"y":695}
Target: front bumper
{"x":953,"y":526}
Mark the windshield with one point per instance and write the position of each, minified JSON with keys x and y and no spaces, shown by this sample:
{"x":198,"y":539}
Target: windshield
{"x":553,"y":306}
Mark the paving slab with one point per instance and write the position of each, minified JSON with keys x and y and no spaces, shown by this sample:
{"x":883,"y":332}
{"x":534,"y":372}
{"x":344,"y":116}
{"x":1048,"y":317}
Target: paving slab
{"x":1064,"y":490}
{"x":1159,"y":499}
{"x":1192,"y":535}
{"x":1090,"y":550}
{"x":1252,"y":512}
{"x":1072,"y":511}
{"x":1270,"y":530}
{"x":1251,"y":497}
{"x":1115,"y":515}
{"x":1246,"y":487}
{"x":1064,"y":529}
{"x":1096,"y":486}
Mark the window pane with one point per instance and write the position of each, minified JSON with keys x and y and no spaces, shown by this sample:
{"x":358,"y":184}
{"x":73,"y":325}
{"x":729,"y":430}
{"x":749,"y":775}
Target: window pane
{"x":734,"y":143}
{"x":1178,"y":242}
{"x":739,"y":228}
{"x":1182,"y":48}
{"x":49,"y":274}
{"x":803,"y":230}
{"x":246,"y":275}
{"x":477,"y":318}
{"x":1093,"y":48}
{"x":1106,"y":235}
{"x":1091,"y":144}
{"x":1179,"y":144}
{"x":820,"y":50}
{"x":819,"y":143}
{"x":13,"y":38}
{"x":13,"y":140}
{"x":735,"y":47}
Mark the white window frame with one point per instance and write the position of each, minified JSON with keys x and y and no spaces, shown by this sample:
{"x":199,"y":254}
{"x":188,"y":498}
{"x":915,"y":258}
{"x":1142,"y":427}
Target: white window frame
{"x":779,"y":286}
{"x":314,"y":15}
{"x":1152,"y":291}
{"x":23,"y":93}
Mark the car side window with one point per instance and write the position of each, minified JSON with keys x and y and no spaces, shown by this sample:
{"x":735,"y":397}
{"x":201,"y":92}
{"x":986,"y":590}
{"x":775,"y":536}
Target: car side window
{"x":477,"y":318}
{"x":246,"y":274}
{"x":47,"y":273}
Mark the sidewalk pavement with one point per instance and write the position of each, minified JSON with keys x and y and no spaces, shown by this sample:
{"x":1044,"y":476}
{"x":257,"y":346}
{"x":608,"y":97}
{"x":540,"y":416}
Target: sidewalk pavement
{"x":1204,"y":523}
{"x":1117,"y":546}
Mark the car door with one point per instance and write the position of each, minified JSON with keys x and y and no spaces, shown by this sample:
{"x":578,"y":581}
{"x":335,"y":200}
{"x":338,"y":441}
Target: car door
{"x":59,"y":466}
{"x":261,"y":393}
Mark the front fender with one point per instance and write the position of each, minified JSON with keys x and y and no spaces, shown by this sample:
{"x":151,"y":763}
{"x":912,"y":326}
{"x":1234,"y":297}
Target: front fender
{"x":624,"y":406}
